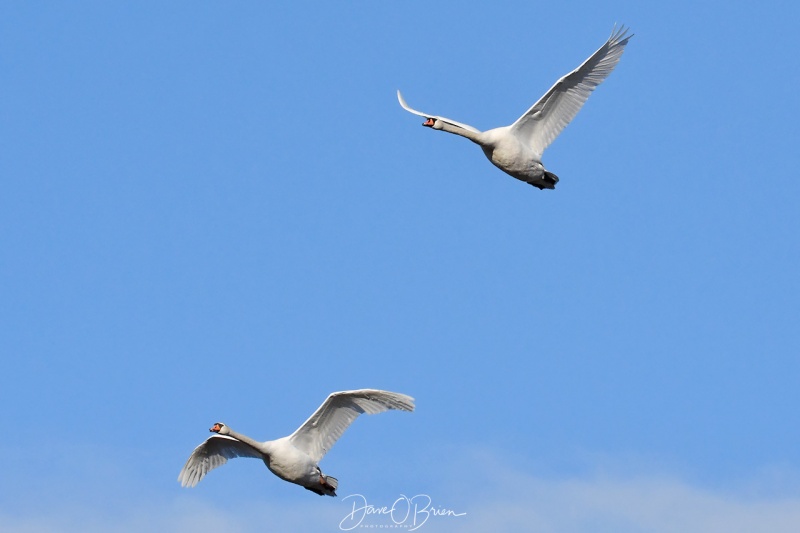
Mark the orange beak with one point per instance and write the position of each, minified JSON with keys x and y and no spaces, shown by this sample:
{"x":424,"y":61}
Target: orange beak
{"x":429,"y":122}
{"x":215,"y":428}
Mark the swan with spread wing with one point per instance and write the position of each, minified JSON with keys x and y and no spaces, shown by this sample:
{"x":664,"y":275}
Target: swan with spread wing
{"x":517,"y":149}
{"x":295,"y":458}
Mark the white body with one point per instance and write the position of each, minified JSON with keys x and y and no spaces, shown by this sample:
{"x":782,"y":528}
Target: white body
{"x":517,"y":149}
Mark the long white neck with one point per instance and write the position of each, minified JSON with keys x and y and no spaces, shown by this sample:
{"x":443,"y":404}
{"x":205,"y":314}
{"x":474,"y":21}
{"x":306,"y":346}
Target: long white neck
{"x":450,"y":128}
{"x":247,"y":440}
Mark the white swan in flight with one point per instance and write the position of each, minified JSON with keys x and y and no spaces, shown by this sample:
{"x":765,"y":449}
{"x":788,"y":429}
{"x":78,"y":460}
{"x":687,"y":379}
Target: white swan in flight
{"x":294,"y":458}
{"x":517,"y":149}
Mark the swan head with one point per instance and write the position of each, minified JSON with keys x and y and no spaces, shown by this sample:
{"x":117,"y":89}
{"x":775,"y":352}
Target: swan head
{"x":220,"y":428}
{"x":434,"y":123}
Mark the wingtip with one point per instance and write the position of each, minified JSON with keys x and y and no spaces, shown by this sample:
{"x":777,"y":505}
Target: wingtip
{"x":401,"y":99}
{"x":619,"y":33}
{"x":405,"y":402}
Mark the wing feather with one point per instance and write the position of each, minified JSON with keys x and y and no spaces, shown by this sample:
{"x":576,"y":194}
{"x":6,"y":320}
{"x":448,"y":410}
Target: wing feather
{"x":320,"y":432}
{"x":542,"y":123}
{"x":214,"y":452}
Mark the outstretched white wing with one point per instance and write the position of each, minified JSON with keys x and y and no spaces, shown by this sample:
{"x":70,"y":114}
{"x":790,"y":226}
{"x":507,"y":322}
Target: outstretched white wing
{"x":550,"y":115}
{"x":320,"y":432}
{"x":212,"y":453}
{"x":450,"y":121}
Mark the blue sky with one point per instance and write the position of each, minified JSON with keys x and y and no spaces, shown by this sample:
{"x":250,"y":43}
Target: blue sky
{"x":219,"y":212}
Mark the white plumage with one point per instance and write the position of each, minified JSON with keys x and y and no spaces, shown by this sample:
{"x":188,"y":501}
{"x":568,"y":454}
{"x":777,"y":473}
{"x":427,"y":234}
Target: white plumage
{"x":517,"y":149}
{"x":294,"y":458}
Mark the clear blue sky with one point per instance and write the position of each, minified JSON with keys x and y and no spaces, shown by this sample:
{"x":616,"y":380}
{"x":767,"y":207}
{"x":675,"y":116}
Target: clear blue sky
{"x":218,"y":211}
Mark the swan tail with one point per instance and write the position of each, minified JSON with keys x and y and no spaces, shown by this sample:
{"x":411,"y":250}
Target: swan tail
{"x":547,"y":181}
{"x":325,"y":486}
{"x":332,"y":483}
